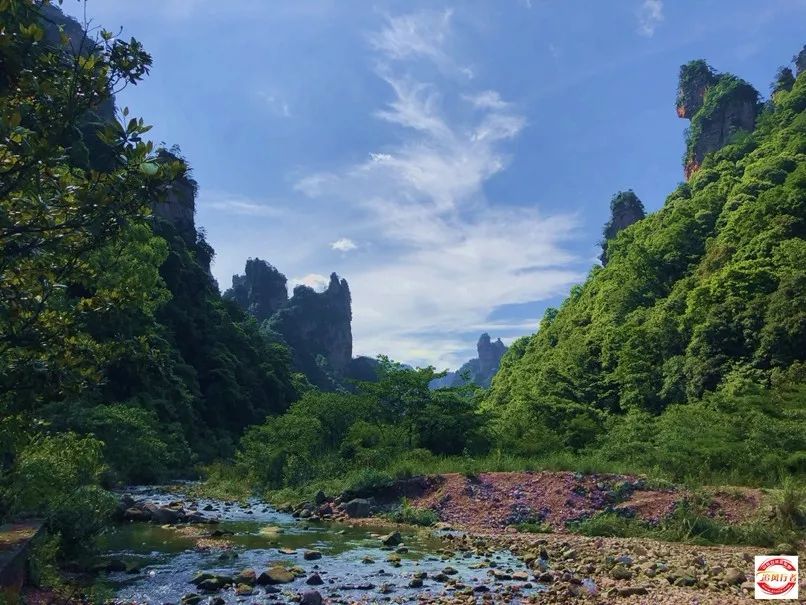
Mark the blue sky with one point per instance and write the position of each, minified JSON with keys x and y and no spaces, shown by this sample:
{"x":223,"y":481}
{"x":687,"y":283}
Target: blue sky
{"x":454,"y":161}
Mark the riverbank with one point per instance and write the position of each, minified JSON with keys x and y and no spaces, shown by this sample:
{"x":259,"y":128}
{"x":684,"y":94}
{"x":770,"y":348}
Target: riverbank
{"x":344,"y":550}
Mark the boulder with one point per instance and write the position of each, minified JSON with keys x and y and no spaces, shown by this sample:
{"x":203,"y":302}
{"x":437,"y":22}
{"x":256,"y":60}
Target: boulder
{"x":275,"y":575}
{"x":315,"y":580}
{"x":392,"y":539}
{"x":311,"y":555}
{"x":246,"y":576}
{"x":357,"y":507}
{"x":311,"y":597}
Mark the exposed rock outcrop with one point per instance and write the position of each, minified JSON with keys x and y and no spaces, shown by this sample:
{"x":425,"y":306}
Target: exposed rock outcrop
{"x":316,"y":326}
{"x":718,"y":105}
{"x":261,"y":290}
{"x":478,"y":371}
{"x":625,"y":209}
{"x":800,"y":61}
{"x":178,"y":207}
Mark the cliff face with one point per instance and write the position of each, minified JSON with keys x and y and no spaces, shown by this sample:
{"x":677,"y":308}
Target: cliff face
{"x":625,"y":209}
{"x":261,"y":291}
{"x":718,"y":105}
{"x":478,"y":371}
{"x":179,"y":205}
{"x":490,"y":354}
{"x":316,"y":326}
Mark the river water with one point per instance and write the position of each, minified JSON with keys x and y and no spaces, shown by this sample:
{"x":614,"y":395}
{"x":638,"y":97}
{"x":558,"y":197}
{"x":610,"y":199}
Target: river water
{"x":353,"y":565}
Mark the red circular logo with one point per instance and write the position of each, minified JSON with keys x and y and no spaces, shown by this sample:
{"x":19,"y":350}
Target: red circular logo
{"x":774,"y":581}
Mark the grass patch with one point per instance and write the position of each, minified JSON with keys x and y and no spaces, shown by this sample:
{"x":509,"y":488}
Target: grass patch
{"x":686,"y":524}
{"x":221,"y":482}
{"x":411,"y":515}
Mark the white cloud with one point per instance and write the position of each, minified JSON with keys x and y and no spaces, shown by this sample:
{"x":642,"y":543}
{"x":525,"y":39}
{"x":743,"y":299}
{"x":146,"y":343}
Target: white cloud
{"x":487,"y":99}
{"x":650,"y":14}
{"x":235,"y":203}
{"x":312,"y":280}
{"x":344,"y":244}
{"x":422,"y":35}
{"x":444,"y":256}
{"x":418,"y":35}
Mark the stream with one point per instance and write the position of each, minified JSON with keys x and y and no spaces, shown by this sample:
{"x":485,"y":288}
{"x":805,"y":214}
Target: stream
{"x":354,"y":564}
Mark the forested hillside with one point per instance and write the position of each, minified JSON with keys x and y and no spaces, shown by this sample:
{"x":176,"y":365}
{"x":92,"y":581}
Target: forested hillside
{"x":700,"y":303}
{"x":114,"y":336}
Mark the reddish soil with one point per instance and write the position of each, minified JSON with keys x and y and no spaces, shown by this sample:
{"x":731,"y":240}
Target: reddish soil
{"x":492,"y":501}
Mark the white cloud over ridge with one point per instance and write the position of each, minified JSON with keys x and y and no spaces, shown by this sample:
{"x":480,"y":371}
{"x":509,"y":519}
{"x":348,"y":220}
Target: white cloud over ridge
{"x":312,"y":280}
{"x":444,"y":255}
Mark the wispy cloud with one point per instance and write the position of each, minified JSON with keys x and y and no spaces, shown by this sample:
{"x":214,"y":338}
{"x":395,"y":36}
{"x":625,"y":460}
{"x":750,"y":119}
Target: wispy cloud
{"x":276,"y":105}
{"x":344,"y":244}
{"x":417,"y":35}
{"x":235,"y":203}
{"x":422,"y":35}
{"x":487,"y":99}
{"x":445,"y":255}
{"x":650,"y":14}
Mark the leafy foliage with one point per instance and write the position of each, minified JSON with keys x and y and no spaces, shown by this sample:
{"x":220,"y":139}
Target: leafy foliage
{"x":58,"y":476}
{"x":357,"y":435}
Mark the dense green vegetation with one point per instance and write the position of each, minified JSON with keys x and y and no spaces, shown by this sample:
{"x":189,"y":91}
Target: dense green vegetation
{"x":688,"y":345}
{"x":118,"y":359}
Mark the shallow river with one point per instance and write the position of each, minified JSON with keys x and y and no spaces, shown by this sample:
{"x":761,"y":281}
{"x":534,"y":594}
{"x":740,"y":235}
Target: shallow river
{"x":353,"y":566}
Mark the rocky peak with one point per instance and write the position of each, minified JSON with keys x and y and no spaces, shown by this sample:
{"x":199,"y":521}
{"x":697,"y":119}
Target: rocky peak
{"x":696,"y":77}
{"x":322,"y":321}
{"x":490,"y":354}
{"x":478,"y":371}
{"x":178,"y":207}
{"x":316,"y":326}
{"x":718,"y":105}
{"x":261,"y":290}
{"x":800,"y":61}
{"x":625,"y":209}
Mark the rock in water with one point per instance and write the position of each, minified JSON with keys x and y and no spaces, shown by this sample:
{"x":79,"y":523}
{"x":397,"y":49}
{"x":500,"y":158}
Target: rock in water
{"x":311,"y":597}
{"x":392,"y":539}
{"x":275,"y":575}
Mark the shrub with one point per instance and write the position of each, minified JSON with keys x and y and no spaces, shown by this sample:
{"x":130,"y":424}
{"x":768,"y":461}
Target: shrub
{"x":411,"y":515}
{"x":57,"y":476}
{"x":368,"y":480}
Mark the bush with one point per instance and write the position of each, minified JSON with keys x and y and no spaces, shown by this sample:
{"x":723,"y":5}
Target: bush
{"x":57,"y":476}
{"x":133,"y":447}
{"x":368,"y":480}
{"x":406,"y":513}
